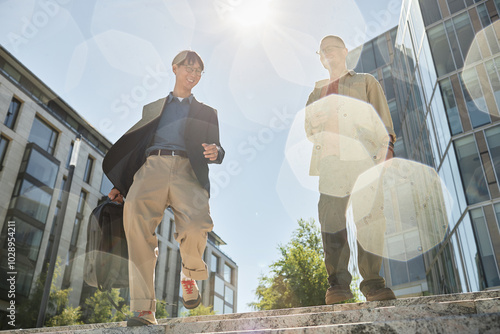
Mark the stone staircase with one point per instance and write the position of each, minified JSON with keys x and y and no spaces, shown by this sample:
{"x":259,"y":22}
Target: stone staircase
{"x":477,"y":312}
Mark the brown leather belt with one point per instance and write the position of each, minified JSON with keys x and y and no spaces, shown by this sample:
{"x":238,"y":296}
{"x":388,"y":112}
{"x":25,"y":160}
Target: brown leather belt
{"x":168,"y":152}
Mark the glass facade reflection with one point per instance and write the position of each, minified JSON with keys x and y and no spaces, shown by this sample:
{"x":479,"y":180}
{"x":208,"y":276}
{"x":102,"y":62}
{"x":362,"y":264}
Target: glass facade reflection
{"x":29,"y":207}
{"x":460,"y":130}
{"x":44,"y":135}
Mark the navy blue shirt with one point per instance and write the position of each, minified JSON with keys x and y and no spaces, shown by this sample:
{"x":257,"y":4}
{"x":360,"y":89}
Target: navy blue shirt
{"x":170,"y":132}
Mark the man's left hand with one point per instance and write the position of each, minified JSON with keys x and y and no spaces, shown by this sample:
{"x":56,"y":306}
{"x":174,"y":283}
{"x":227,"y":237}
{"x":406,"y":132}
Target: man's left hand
{"x":211,"y":151}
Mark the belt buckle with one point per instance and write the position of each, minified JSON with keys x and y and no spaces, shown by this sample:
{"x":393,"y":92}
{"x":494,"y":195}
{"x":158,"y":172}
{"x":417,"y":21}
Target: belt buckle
{"x":173,"y":153}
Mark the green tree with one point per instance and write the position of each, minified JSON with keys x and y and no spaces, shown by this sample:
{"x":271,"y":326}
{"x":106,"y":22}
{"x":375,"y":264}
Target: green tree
{"x":200,"y":310}
{"x":58,"y":313}
{"x":100,"y":309}
{"x":298,"y":278}
{"x":161,"y":311}
{"x":68,"y":316}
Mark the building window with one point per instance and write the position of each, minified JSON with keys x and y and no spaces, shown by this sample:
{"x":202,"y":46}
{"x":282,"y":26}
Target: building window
{"x":219,"y":285}
{"x":497,"y":212}
{"x":228,"y":273}
{"x":368,"y":58}
{"x":106,"y":185}
{"x":449,"y":51}
{"x":33,"y":190}
{"x":493,"y":70}
{"x":390,"y":93}
{"x":491,"y":35}
{"x":451,"y":106}
{"x":43,"y":135}
{"x":401,"y":247}
{"x":455,"y":5}
{"x":381,"y":50}
{"x":88,"y":169}
{"x":214,"y":263}
{"x":81,"y":202}
{"x":474,"y":98}
{"x":218,"y":305}
{"x":79,"y":217}
{"x":12,"y":72}
{"x":441,"y":50}
{"x":31,"y":200}
{"x":483,"y":14}
{"x":493,"y":139}
{"x":14,"y":107}
{"x":430,"y":11}
{"x":223,"y":296}
{"x":470,"y":256}
{"x":42,"y":168}
{"x":4,"y":143}
{"x":489,"y":263}
{"x":473,"y":179}
{"x":28,"y":240}
{"x":229,"y":300}
{"x":464,"y":31}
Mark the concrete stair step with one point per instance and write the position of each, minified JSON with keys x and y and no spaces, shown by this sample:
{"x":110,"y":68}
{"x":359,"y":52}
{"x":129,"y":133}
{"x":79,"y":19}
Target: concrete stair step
{"x":472,"y":296}
{"x":457,"y":313}
{"x":381,"y":313}
{"x":477,"y":323}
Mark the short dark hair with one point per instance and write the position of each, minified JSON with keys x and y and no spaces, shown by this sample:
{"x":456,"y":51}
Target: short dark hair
{"x":188,"y":57}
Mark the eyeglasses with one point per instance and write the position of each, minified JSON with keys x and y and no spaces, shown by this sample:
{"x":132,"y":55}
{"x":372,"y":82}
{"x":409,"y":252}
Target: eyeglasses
{"x":191,"y":69}
{"x":329,"y":49}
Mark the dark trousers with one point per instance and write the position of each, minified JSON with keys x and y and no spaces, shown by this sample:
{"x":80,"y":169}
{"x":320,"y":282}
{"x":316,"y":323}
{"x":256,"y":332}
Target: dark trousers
{"x":336,"y":247}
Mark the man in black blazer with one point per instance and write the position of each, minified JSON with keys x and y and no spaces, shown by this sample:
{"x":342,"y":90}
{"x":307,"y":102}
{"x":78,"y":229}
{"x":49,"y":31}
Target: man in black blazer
{"x":163,"y":161}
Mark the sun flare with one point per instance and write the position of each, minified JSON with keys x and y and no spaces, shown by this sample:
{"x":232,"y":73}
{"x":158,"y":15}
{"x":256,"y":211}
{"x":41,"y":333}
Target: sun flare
{"x":251,"y":13}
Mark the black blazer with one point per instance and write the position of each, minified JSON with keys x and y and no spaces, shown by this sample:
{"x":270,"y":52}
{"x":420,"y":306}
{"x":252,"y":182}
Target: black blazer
{"x":127,"y":155}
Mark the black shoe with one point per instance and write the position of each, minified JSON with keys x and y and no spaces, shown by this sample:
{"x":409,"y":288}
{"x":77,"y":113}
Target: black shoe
{"x":380,"y":295}
{"x":337,"y":293}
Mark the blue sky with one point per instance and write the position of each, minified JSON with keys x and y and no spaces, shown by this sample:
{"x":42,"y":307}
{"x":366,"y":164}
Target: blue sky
{"x":108,"y":58}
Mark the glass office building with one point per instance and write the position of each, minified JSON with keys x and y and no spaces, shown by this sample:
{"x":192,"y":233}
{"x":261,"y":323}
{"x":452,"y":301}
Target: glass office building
{"x":446,"y":118}
{"x":450,"y":117}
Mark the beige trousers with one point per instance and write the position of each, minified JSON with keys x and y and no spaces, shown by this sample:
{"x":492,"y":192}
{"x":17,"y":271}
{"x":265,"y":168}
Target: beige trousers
{"x":161,"y":182}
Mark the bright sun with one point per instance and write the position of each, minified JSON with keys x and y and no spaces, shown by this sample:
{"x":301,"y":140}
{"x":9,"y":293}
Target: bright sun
{"x":251,"y":13}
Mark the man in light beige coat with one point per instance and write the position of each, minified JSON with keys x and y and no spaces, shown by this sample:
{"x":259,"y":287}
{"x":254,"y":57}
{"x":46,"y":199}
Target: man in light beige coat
{"x":341,"y":88}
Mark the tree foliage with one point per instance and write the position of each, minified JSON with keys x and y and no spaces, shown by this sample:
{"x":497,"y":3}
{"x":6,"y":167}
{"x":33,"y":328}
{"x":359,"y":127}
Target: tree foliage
{"x":161,"y":311}
{"x":101,"y":310}
{"x":58,"y":312}
{"x":200,"y":310}
{"x":298,"y":278}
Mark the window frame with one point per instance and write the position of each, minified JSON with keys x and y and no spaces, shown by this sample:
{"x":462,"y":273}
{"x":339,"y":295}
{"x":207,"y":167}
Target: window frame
{"x":10,"y":121}
{"x":54,"y":136}
{"x":3,"y":151}
{"x":89,"y":169}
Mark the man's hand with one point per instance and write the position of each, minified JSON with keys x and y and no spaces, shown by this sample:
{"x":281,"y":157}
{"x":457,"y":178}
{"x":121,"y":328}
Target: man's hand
{"x":115,"y":196}
{"x":211,"y":151}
